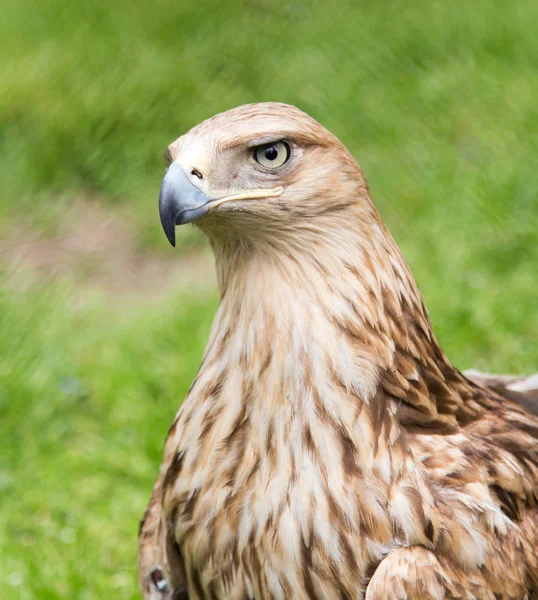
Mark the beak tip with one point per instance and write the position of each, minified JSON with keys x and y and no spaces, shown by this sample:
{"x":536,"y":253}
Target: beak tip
{"x":170,"y":232}
{"x":169,"y":228}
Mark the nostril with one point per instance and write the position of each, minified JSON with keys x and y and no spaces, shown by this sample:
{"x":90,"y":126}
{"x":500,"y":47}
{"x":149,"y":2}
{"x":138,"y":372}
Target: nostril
{"x":197,"y":173}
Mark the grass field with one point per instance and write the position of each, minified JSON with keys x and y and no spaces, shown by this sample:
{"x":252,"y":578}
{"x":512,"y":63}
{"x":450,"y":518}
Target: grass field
{"x":101,"y":332}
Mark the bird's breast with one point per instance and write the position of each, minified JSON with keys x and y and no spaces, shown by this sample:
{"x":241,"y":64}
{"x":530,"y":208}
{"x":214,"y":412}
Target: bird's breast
{"x":270,"y":501}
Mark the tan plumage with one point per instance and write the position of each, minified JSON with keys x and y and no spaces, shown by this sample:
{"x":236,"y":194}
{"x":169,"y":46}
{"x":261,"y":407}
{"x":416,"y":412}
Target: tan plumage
{"x":327,"y":447}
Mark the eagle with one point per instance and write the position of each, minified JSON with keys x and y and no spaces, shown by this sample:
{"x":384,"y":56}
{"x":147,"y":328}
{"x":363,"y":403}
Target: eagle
{"x":327,"y":448}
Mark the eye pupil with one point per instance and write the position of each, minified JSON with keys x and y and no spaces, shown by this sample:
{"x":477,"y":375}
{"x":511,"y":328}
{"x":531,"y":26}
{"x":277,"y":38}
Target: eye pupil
{"x":271,"y":153}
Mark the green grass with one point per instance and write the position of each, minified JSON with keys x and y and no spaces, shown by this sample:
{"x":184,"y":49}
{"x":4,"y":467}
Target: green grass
{"x":437,"y":100}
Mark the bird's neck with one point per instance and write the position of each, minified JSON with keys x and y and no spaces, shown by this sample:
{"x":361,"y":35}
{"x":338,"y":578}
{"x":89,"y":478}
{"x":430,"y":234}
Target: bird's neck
{"x":336,"y":327}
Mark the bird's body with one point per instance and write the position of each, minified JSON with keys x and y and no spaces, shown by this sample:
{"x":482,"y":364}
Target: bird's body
{"x":327,"y":447}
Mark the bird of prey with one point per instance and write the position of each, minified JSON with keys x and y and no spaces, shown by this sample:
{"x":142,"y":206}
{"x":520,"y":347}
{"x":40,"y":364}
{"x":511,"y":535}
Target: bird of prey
{"x":327,"y":449}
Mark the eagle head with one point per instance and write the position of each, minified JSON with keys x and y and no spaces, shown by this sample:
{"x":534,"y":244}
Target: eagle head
{"x":258,"y":168}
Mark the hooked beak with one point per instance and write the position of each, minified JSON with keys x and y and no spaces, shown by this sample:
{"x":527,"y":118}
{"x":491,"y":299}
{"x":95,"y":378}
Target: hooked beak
{"x":179,"y":201}
{"x":182,"y":202}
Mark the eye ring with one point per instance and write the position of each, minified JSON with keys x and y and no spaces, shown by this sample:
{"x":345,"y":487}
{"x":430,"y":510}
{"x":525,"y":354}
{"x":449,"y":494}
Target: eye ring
{"x":272,"y":155}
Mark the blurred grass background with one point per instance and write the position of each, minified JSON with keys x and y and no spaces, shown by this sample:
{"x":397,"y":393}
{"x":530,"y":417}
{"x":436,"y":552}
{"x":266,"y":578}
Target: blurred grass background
{"x":102,"y":325}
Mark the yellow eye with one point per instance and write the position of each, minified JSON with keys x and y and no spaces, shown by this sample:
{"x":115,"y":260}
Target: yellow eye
{"x":273,"y":155}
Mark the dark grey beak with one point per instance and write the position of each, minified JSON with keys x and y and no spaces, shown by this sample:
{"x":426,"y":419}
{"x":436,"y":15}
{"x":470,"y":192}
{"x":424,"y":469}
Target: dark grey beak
{"x":179,"y":201}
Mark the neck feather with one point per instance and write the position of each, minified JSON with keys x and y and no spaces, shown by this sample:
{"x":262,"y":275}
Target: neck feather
{"x":332,"y":315}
